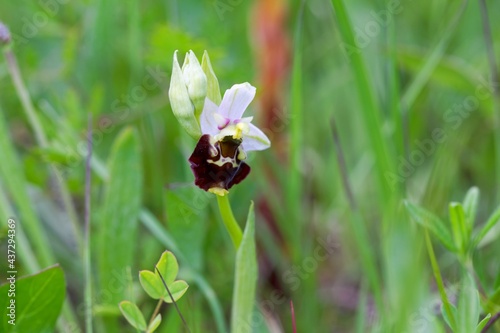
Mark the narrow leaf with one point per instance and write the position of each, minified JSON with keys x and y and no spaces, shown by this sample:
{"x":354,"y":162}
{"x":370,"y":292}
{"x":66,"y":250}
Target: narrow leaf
{"x":432,"y":223}
{"x":133,"y":315}
{"x":459,"y":225}
{"x":154,"y":324}
{"x":119,"y":218}
{"x":468,"y":306}
{"x":447,"y":318}
{"x":482,"y":323}
{"x":471,"y":202}
{"x":489,"y":231}
{"x":245,"y":279}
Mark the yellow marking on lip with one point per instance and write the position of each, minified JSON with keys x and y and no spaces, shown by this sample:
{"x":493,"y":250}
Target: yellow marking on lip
{"x":218,"y":191}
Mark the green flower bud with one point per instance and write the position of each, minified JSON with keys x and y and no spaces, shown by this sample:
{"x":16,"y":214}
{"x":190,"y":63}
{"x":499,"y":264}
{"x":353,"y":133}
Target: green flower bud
{"x":196,"y":82}
{"x":180,"y":101}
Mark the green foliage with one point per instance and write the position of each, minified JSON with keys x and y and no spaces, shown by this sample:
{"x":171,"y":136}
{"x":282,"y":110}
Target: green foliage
{"x":187,"y":212}
{"x":388,"y":80}
{"x":38,"y":301}
{"x":432,"y":223}
{"x":133,"y":315}
{"x":118,"y":221}
{"x":152,"y":284}
{"x":245,"y":278}
{"x":166,"y":268}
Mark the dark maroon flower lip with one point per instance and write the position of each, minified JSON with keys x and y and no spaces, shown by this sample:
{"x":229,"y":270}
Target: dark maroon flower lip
{"x":218,"y":164}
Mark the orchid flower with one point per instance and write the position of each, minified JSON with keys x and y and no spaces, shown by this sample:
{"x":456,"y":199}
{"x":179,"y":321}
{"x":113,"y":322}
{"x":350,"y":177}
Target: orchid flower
{"x":217,"y":161}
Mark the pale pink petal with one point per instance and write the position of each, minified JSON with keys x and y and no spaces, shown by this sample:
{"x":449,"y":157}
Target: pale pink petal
{"x":208,"y":121}
{"x":255,"y":139}
{"x":236,"y":100}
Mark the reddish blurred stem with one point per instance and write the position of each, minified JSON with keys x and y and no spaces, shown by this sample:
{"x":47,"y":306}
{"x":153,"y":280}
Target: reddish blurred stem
{"x":293,"y":317}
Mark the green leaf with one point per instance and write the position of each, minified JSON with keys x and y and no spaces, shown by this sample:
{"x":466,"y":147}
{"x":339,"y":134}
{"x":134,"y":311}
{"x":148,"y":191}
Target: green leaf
{"x":186,"y":209}
{"x":495,"y":298}
{"x":119,"y":216}
{"x":151,"y":284}
{"x":468,"y":306}
{"x":471,"y":201}
{"x":245,"y":279}
{"x":432,"y":223}
{"x":38,"y":301}
{"x":168,"y":267}
{"x":213,"y":90}
{"x":446,"y":318}
{"x":133,"y":315}
{"x":154,"y":324}
{"x":177,"y":289}
{"x":449,"y":71}
{"x":488,"y":233}
{"x":459,"y":225}
{"x":482,"y":323}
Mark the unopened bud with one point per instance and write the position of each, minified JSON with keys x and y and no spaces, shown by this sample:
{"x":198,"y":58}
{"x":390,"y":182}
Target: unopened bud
{"x":5,"y":37}
{"x":196,"y":82}
{"x":180,"y":101}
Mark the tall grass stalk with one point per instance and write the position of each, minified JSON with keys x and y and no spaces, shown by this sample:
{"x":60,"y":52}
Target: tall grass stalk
{"x":369,"y":106}
{"x":87,"y":245}
{"x":435,"y":56}
{"x":495,"y":85}
{"x":294,"y":188}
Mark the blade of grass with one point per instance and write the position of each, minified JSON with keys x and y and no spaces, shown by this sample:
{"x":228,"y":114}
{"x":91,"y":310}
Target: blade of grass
{"x":358,"y":225}
{"x":369,"y":107}
{"x":87,"y":242}
{"x":245,"y":278}
{"x":439,"y":279}
{"x":495,"y":83}
{"x":294,"y":190}
{"x":433,"y":60}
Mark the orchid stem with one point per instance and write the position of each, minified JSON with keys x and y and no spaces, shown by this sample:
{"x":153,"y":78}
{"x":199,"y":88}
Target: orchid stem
{"x":232,"y":226}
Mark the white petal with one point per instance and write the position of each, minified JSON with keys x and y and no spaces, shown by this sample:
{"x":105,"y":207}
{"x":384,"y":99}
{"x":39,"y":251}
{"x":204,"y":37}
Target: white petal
{"x":208,"y":122}
{"x":236,"y":100}
{"x":255,"y":139}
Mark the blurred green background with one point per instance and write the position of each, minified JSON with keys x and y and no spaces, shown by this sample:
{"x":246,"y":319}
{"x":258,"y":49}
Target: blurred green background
{"x":426,"y":70}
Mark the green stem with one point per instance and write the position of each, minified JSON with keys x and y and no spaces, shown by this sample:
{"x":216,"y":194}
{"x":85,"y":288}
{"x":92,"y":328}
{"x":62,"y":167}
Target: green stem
{"x":439,"y":279}
{"x":156,"y":311}
{"x":232,"y":226}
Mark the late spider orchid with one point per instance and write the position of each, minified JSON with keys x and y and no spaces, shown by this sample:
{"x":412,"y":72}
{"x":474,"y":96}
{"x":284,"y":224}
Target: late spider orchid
{"x":217,"y":161}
